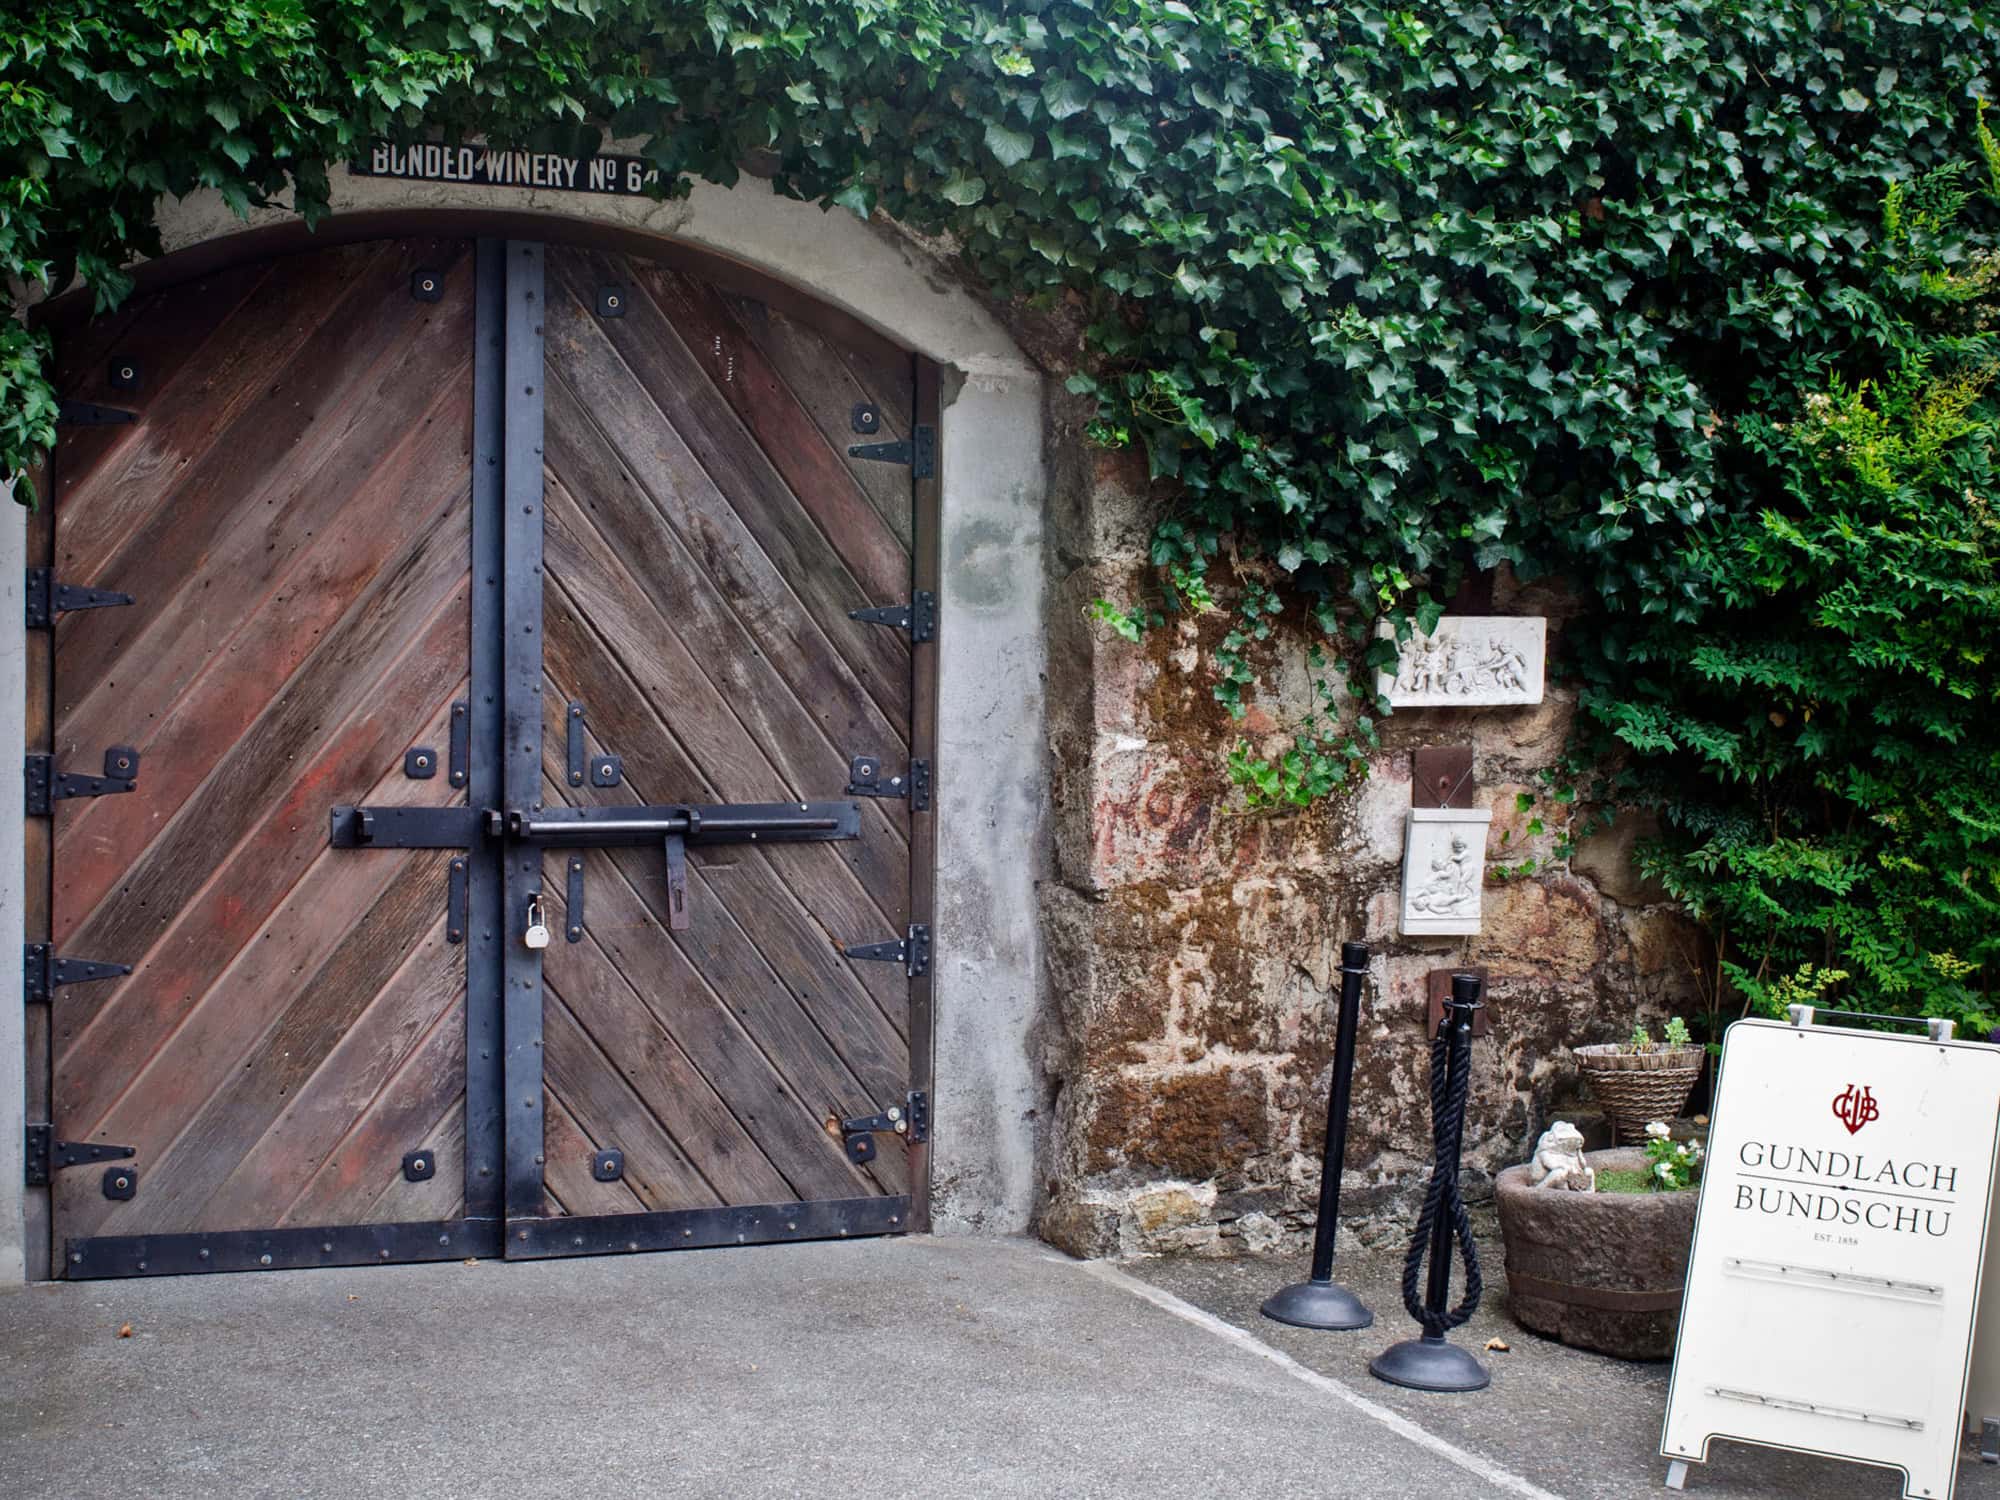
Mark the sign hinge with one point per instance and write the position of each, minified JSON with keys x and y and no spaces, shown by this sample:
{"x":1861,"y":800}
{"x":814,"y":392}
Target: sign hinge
{"x":47,"y":786}
{"x":911,"y":1120}
{"x":42,"y":970}
{"x":919,"y":616}
{"x":46,"y":1154}
{"x":47,"y":598}
{"x":919,"y":451}
{"x":865,"y":779}
{"x":912,"y":952}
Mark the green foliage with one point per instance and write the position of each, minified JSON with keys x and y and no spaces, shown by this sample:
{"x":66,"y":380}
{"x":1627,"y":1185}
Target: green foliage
{"x":1671,"y":1165}
{"x":1820,"y":735}
{"x":1690,"y":302}
{"x":1675,"y":1033}
{"x":1129,"y":623}
{"x":1322,"y":754}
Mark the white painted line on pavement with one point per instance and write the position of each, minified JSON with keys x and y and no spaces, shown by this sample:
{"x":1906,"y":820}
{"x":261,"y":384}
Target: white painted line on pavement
{"x":1492,"y":1473}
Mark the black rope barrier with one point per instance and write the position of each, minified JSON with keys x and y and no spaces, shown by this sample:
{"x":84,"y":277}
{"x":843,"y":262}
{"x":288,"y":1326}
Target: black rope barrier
{"x":1430,"y":1363}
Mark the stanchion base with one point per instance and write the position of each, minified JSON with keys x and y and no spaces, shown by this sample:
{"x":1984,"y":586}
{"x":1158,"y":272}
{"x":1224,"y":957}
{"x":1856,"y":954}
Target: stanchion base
{"x":1318,"y":1304}
{"x":1429,"y":1364}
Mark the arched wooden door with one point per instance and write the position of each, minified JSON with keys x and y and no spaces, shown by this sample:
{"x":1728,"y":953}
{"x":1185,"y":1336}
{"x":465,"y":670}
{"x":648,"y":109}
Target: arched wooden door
{"x":483,"y":592}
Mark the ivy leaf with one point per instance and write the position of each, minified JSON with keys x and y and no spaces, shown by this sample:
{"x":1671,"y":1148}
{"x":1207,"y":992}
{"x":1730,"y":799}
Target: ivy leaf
{"x":1011,"y":147}
{"x":961,"y":189}
{"x":1063,"y":97}
{"x":858,"y":198}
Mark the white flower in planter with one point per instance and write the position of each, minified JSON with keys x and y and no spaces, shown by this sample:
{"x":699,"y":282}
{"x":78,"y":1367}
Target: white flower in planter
{"x":1657,"y":1131}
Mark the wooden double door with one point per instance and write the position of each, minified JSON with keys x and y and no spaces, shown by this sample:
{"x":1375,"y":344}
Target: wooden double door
{"x":517,"y":842}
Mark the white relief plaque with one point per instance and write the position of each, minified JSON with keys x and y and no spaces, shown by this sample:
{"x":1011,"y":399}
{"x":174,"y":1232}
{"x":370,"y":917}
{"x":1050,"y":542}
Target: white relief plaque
{"x":1470,"y":661}
{"x":1444,"y":870}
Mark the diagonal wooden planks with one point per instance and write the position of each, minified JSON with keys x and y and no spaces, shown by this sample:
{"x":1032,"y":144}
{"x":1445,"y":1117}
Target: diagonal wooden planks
{"x":703,"y":541}
{"x":292,"y":511}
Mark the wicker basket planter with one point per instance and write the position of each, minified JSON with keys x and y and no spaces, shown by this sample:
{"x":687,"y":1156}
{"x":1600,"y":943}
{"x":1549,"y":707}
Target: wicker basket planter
{"x":1638,"y":1087}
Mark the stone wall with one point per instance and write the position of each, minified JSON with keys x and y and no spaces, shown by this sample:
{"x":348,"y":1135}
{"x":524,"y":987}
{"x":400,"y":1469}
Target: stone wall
{"x":1193,"y":944}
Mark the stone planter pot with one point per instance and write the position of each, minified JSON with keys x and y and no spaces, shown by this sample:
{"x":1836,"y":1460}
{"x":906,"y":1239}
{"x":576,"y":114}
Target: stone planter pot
{"x":1600,"y":1271}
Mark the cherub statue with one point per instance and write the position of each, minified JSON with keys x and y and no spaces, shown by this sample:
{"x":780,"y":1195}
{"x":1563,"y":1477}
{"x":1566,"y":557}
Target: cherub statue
{"x":1558,"y":1160}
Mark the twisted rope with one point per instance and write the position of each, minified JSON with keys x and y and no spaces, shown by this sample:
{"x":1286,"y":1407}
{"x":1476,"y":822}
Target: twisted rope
{"x":1447,"y":1134}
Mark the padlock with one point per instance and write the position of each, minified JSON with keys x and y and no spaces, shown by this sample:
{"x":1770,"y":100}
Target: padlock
{"x":537,"y":935}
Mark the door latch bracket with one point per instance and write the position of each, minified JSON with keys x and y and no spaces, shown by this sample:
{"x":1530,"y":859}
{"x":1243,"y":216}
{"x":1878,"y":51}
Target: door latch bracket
{"x":865,"y":779}
{"x":48,"y":598}
{"x":913,"y":952}
{"x":919,"y":616}
{"x":42,"y":970}
{"x":603,"y":770}
{"x":911,"y":1120}
{"x":919,"y":450}
{"x":47,"y":786}
{"x":90,"y":414}
{"x":46,"y":1154}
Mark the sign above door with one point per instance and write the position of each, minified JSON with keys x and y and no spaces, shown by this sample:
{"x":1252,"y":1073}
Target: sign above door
{"x":483,"y":166}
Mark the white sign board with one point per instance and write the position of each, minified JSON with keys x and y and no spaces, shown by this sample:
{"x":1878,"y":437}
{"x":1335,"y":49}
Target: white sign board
{"x":1838,"y":1248}
{"x":1469,"y":661}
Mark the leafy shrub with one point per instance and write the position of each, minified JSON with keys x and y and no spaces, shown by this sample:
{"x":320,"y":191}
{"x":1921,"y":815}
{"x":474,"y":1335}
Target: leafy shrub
{"x":1820,"y":735}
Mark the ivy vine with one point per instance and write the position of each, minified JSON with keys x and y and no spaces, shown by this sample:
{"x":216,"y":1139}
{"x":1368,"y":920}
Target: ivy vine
{"x":1385,"y":294}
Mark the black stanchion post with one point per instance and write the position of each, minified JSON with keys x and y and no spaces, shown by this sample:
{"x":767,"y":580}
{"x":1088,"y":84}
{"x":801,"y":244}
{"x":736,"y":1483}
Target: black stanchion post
{"x":1429,"y":1363}
{"x":1317,"y":1302}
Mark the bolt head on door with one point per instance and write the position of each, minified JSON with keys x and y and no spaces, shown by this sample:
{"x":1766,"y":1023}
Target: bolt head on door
{"x":419,"y":1166}
{"x":608,"y":1166}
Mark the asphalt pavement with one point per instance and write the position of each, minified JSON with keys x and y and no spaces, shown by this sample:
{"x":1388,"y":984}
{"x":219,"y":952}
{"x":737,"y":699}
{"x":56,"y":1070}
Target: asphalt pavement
{"x":877,"y":1369}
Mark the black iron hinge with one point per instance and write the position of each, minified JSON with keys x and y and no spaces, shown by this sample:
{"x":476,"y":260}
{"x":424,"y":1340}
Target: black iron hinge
{"x":912,"y":952}
{"x":89,"y":414}
{"x":48,"y":598}
{"x":865,"y":779}
{"x":911,"y":1120}
{"x":42,"y":970}
{"x":919,"y":616}
{"x":919,"y":451}
{"x":47,"y":786}
{"x":46,"y":1154}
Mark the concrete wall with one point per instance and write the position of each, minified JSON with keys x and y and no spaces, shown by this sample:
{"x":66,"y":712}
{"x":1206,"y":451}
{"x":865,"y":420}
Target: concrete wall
{"x":992,"y":777}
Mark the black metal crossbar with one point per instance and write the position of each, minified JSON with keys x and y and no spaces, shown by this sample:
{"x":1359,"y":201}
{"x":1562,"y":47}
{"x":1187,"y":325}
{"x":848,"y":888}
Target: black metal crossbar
{"x":725,"y":823}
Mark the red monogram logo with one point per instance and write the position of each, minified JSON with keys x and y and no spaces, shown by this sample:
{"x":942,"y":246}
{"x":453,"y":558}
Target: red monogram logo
{"x":1855,"y":1107}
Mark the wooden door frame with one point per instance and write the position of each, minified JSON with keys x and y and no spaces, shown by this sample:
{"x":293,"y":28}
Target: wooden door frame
{"x":487,"y":954}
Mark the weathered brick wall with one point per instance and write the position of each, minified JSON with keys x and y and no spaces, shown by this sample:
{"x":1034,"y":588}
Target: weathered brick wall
{"x":1194,"y":945}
